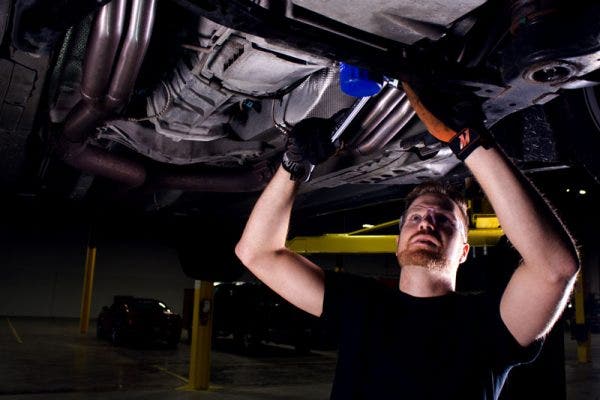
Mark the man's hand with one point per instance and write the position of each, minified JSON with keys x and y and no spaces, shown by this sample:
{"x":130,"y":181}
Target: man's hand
{"x":308,"y":144}
{"x":457,"y":122}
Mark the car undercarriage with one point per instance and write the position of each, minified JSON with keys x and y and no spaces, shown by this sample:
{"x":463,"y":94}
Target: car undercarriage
{"x":157,"y":104}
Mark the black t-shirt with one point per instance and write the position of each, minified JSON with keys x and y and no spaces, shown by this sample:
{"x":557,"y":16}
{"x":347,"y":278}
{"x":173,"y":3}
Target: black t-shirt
{"x":396,"y":346}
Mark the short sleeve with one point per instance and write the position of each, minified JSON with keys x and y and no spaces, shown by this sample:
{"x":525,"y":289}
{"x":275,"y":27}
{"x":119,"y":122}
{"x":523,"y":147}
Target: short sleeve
{"x":507,"y":352}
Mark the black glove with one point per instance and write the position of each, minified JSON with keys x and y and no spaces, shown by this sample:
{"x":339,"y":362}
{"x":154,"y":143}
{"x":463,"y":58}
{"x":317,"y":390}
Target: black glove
{"x":452,"y":117}
{"x":308,"y":144}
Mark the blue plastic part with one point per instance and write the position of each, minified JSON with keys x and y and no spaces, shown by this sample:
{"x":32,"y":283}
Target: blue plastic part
{"x":359,"y":82}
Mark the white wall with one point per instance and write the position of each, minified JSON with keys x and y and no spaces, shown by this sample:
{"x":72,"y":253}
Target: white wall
{"x":42,"y":266}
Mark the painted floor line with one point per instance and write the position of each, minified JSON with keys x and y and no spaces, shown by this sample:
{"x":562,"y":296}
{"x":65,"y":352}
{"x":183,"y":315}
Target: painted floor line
{"x":14,"y":331}
{"x":166,"y":371}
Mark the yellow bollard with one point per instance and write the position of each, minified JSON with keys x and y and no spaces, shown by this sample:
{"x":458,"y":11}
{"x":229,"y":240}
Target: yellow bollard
{"x":88,"y":282}
{"x":201,"y":336}
{"x":583,"y":344}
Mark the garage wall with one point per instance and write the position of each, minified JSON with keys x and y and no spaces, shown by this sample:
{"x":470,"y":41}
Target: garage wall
{"x":42,"y":266}
{"x":142,"y":268}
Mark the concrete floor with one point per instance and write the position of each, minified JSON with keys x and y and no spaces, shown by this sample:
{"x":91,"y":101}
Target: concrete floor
{"x":583,"y":380}
{"x":49,"y":359}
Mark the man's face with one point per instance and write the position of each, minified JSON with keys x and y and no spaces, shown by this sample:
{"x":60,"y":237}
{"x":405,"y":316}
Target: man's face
{"x":432,"y":234}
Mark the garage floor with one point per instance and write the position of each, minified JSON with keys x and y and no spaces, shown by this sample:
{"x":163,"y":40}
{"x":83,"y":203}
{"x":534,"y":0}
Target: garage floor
{"x":48,"y":359}
{"x":54,"y":361}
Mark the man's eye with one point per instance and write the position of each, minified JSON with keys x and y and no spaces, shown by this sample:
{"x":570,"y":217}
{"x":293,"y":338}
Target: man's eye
{"x":442,"y":219}
{"x":414,"y":218}
{"x":446,"y":221}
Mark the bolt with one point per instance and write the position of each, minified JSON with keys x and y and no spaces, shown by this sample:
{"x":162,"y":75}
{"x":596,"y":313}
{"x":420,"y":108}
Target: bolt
{"x":551,"y":73}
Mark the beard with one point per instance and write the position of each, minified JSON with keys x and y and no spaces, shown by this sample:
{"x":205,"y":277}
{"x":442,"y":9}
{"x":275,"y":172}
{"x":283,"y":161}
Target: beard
{"x":432,"y":260}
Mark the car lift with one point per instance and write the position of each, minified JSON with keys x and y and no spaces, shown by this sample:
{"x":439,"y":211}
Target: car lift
{"x":486,"y":232}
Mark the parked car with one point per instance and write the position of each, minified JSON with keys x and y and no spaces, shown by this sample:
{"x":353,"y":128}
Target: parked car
{"x":134,"y":320}
{"x":252,"y":314}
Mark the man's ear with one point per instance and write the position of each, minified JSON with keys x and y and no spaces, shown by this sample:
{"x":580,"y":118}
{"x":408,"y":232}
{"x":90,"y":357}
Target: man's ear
{"x":465,"y":253}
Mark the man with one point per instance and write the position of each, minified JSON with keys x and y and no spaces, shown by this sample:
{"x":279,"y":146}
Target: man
{"x":423,"y":340}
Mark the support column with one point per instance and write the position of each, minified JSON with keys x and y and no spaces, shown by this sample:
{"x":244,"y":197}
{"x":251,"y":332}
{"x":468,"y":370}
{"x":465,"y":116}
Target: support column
{"x":201,"y":336}
{"x":582,"y":333}
{"x":88,"y":282}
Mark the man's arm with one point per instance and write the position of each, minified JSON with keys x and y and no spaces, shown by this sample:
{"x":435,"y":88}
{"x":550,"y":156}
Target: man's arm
{"x":540,"y":287}
{"x":262,"y":248}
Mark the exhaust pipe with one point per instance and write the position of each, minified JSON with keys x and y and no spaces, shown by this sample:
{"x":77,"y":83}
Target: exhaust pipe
{"x":102,"y":48}
{"x":384,"y":117}
{"x":96,"y":161}
{"x":236,"y":181}
{"x":381,"y":106}
{"x":106,"y":87}
{"x":387,"y":129}
{"x":133,"y":52}
{"x":99,"y":79}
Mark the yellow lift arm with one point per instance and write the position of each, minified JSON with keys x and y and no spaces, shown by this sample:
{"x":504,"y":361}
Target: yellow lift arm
{"x":486,"y":232}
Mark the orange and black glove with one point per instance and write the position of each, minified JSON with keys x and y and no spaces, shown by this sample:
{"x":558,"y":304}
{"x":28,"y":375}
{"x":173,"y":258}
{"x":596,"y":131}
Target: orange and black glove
{"x":455,"y":120}
{"x":308,"y":144}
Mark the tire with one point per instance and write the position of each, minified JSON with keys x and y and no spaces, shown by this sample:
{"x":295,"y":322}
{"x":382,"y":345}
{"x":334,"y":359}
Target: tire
{"x":22,"y":79}
{"x":5,"y":13}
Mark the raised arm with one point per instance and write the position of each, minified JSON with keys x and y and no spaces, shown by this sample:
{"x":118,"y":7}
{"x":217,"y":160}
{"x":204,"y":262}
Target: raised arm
{"x":262,"y":245}
{"x":539,"y":288}
{"x":262,"y":248}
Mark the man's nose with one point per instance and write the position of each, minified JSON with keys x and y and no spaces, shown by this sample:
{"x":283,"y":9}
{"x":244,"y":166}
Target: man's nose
{"x":427,"y":222}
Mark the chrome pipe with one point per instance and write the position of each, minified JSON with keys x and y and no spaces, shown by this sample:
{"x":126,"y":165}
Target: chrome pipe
{"x":82,"y":119}
{"x":102,"y":47}
{"x":132,"y":53}
{"x":104,"y":91}
{"x":381,"y":107}
{"x":391,"y":125}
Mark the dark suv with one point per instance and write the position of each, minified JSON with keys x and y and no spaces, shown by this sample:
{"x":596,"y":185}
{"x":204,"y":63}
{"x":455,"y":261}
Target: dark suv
{"x":252,"y":313}
{"x":133,"y":320}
